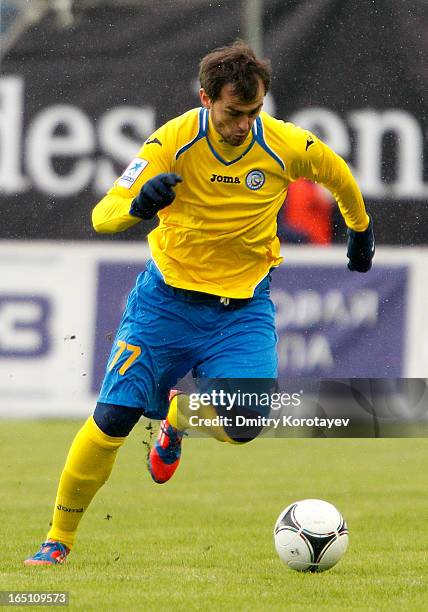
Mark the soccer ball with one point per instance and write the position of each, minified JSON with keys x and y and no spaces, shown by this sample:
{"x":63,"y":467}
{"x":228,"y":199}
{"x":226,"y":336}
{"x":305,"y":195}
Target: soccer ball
{"x":310,"y":535}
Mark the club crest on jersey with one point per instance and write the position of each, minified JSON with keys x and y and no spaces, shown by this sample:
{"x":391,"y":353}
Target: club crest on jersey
{"x":255,"y":179}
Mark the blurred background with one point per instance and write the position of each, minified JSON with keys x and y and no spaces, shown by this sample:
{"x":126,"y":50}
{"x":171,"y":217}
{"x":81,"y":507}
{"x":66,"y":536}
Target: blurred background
{"x":83,"y":84}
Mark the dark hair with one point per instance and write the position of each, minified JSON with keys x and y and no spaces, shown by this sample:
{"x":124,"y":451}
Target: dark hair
{"x":236,"y":64}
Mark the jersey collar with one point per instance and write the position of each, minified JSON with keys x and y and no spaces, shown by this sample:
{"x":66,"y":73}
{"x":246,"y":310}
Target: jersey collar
{"x":218,"y":149}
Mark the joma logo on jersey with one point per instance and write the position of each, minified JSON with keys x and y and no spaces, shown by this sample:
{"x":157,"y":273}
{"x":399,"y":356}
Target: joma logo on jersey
{"x":219,"y":178}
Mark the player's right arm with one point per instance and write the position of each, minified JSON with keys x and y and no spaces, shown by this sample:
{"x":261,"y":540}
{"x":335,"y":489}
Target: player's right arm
{"x":137,"y":189}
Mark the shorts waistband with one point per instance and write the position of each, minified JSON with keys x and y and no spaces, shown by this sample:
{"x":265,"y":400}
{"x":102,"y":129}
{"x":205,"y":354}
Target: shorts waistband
{"x":210,"y":298}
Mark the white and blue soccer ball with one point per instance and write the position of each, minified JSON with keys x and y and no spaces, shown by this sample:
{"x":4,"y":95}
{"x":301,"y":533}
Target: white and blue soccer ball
{"x":310,"y":535}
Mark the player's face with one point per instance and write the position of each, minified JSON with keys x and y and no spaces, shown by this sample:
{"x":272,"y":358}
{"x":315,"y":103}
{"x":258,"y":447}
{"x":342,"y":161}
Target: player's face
{"x":231,"y":118}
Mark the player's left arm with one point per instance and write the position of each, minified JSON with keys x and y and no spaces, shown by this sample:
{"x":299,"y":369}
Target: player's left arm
{"x":315,"y":161}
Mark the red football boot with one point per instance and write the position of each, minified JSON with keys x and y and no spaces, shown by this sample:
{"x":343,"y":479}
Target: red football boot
{"x":165,"y":456}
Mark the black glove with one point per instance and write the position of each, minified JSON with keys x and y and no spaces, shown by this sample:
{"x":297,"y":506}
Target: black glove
{"x":155,"y":195}
{"x":361,"y":249}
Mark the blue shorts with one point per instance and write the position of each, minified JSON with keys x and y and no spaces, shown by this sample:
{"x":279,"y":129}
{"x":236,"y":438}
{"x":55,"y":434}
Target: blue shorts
{"x":165,"y":333}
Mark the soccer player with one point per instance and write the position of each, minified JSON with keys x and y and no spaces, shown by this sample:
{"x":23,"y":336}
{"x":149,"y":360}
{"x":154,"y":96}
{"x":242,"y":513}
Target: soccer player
{"x":216,"y":177}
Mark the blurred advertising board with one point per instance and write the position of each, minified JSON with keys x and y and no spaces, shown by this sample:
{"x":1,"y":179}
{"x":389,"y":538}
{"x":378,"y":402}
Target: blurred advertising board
{"x":60,"y":305}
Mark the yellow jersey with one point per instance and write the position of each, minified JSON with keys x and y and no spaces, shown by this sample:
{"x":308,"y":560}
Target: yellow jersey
{"x":219,"y":234}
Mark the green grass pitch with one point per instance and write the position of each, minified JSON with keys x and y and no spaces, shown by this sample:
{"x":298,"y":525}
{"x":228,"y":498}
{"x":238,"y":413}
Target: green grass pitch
{"x":204,"y":540}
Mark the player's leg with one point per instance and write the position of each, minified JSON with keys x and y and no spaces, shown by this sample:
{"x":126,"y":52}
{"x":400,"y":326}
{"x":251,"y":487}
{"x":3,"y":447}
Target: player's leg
{"x":240,"y":361}
{"x":164,"y":457}
{"x":139,"y":375}
{"x":239,"y":344}
{"x":88,"y":466}
{"x":89,"y":461}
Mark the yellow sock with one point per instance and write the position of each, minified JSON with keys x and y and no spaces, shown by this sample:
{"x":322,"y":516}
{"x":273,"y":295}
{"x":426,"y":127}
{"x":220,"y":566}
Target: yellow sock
{"x":179,"y":413}
{"x":89,"y":463}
